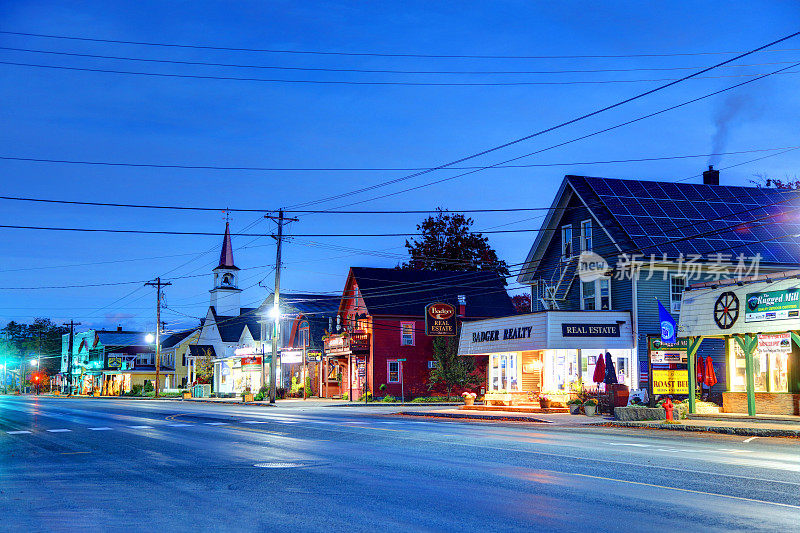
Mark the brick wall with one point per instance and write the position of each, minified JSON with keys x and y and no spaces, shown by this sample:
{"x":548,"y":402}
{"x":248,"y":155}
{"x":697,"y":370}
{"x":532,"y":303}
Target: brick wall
{"x":767,"y":403}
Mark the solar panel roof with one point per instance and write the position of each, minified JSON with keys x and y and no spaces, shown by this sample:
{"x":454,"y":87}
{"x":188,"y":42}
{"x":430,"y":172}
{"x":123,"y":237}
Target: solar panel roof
{"x":687,"y":218}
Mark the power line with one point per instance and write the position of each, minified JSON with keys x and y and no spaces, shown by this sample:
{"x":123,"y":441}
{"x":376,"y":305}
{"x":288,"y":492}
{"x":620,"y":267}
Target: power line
{"x":351,"y":169}
{"x":353,"y":82}
{"x":371,"y":54}
{"x":517,"y":158}
{"x":371,"y":71}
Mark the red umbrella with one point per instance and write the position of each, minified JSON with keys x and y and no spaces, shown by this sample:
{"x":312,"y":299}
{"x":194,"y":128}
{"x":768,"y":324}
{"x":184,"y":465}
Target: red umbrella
{"x":599,"y":370}
{"x":711,"y":377}
{"x":701,"y":370}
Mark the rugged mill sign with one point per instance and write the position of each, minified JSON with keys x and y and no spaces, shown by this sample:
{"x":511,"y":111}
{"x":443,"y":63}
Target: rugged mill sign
{"x":440,"y":320}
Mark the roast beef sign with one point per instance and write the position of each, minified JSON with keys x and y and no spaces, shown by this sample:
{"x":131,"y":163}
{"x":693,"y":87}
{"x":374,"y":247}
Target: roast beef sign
{"x":440,"y":320}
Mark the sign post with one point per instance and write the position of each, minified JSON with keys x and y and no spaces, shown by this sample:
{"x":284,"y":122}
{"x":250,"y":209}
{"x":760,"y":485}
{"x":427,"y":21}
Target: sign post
{"x":402,"y":390}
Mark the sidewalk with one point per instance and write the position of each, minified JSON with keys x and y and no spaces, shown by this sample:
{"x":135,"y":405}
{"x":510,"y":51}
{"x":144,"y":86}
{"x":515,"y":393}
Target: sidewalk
{"x":559,"y":419}
{"x":751,"y":428}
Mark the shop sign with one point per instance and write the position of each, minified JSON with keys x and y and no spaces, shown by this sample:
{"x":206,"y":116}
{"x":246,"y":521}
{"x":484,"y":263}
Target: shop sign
{"x":313,"y":356}
{"x":670,"y":381}
{"x":774,"y":344}
{"x":589,"y":330}
{"x":523,"y":332}
{"x":772,"y":305}
{"x":665,"y":352}
{"x":251,"y":364}
{"x":440,"y":320}
{"x":291,"y":357}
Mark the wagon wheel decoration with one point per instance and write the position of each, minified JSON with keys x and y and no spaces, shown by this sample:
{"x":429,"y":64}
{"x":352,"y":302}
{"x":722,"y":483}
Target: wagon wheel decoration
{"x":726,"y":310}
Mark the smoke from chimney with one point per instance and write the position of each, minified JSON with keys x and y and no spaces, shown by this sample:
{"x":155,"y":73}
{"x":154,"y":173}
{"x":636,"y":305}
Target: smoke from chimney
{"x":731,"y":110}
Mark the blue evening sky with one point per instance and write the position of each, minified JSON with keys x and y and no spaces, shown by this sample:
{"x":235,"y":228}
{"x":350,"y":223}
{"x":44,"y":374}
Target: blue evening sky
{"x":92,"y":116}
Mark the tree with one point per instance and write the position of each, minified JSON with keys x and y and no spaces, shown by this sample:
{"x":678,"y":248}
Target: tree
{"x":448,"y":243}
{"x":41,"y":339}
{"x":521,"y":303}
{"x":452,"y":370}
{"x":205,"y":369}
{"x":763,"y":181}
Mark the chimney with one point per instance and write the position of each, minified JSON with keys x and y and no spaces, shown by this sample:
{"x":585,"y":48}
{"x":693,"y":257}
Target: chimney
{"x":711,"y":176}
{"x":462,"y":305}
{"x":119,"y":328}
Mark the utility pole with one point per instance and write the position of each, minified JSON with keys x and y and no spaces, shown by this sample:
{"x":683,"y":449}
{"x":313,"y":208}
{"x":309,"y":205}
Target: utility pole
{"x":71,"y":325}
{"x":158,"y":284}
{"x":281,"y":220}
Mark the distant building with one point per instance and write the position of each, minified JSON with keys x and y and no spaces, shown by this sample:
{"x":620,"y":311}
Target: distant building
{"x":305,"y":319}
{"x":112,"y":362}
{"x":380,"y":326}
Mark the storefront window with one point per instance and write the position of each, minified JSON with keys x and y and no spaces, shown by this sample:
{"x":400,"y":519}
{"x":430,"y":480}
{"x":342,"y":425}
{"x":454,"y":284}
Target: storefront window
{"x":504,"y":372}
{"x":770,"y":368}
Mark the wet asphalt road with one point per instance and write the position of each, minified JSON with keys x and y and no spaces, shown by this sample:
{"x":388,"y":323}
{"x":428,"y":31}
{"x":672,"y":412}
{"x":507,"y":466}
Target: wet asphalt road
{"x":134,"y":465}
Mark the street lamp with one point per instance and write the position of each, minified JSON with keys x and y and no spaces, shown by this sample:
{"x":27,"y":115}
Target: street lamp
{"x":149,"y":338}
{"x":34,"y":362}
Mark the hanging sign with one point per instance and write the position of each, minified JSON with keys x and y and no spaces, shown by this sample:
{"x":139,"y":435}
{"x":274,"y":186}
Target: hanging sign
{"x":440,"y":320}
{"x":772,"y":305}
{"x":774,"y":344}
{"x":664,"y":352}
{"x":251,"y":364}
{"x":313,"y":356}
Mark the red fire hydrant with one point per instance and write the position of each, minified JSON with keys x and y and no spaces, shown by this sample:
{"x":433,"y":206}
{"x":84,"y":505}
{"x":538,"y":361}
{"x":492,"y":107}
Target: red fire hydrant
{"x":667,"y":405}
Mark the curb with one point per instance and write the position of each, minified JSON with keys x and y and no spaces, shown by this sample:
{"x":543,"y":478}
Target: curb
{"x":742,"y":431}
{"x":476,"y":417}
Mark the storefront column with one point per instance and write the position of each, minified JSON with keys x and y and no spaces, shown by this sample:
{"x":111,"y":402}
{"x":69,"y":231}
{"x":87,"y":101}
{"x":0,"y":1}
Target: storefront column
{"x":691,"y":359}
{"x":748,"y":344}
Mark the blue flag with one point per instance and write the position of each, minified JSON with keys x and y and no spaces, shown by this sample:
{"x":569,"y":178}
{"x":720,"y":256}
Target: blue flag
{"x":669,"y":331}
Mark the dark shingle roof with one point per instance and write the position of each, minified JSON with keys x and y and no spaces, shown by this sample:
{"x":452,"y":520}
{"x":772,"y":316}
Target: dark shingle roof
{"x":390,"y":291}
{"x":176,"y":338}
{"x":231,"y":327}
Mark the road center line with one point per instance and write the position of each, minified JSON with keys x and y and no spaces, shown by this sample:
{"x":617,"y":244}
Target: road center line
{"x":17,"y":432}
{"x":140,"y":427}
{"x":104,"y":428}
{"x":58,"y":430}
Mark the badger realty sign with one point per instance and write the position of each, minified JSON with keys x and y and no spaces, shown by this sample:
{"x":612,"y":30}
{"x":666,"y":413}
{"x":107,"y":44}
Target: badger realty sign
{"x":440,"y":320}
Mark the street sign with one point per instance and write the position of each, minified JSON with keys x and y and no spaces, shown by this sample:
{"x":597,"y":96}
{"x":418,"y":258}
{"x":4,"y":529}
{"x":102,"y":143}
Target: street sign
{"x":402,"y":360}
{"x":440,"y":320}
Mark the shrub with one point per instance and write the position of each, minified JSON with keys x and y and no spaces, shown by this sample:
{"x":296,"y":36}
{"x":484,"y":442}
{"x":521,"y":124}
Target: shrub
{"x":575,"y":401}
{"x":345,"y":396}
{"x":259,"y":397}
{"x":389,"y":399}
{"x":590,"y":401}
{"x":148,"y":386}
{"x":263,"y":390}
{"x":432,"y":399}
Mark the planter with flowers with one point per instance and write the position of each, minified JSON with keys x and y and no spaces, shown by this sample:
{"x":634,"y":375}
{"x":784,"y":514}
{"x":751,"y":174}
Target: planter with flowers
{"x":469,"y":398}
{"x":544,"y":401}
{"x":590,"y":407}
{"x":575,"y":406}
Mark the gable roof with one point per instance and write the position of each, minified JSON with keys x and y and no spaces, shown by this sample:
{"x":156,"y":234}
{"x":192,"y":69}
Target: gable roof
{"x":176,"y":338}
{"x":231,"y":327}
{"x":651,"y":217}
{"x":322,"y":305}
{"x":392,"y":291}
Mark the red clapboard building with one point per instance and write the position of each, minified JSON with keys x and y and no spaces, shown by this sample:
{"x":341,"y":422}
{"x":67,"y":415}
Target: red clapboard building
{"x":381,"y":322}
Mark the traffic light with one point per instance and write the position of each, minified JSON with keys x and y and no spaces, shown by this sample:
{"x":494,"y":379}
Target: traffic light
{"x":36,"y":378}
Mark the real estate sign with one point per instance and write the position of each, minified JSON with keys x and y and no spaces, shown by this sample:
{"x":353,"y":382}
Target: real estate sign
{"x":440,"y":320}
{"x":772,"y":305}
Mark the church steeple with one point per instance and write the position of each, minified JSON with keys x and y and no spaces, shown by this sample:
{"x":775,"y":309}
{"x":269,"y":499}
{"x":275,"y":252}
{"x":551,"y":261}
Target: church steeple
{"x":226,"y":255}
{"x":225,"y":293}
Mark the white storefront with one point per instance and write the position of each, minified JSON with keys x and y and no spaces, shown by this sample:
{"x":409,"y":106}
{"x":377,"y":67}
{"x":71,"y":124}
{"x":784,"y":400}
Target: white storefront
{"x":550,"y":352}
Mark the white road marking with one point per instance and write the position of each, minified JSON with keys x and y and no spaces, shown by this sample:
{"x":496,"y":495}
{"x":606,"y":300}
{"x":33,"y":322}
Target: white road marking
{"x":628,"y":444}
{"x":254,"y":422}
{"x":178,"y":425}
{"x":750,"y":439}
{"x":17,"y":432}
{"x":58,"y":430}
{"x":100,"y":429}
{"x":141,"y":427}
{"x":215,"y":423}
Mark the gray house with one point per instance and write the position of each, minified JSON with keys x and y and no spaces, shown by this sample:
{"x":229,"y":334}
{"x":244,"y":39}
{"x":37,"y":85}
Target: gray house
{"x":655,"y":238}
